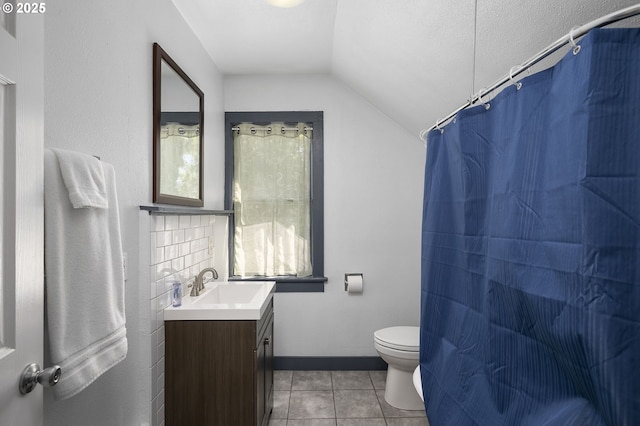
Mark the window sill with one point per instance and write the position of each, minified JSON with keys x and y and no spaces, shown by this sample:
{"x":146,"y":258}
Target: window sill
{"x":291,"y":284}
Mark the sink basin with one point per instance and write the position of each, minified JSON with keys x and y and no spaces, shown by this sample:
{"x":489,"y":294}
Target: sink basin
{"x":236,"y":294}
{"x":225,"y":301}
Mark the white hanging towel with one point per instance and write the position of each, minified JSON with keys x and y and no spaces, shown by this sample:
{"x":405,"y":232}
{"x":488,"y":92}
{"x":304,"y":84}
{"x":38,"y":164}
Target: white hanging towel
{"x":84,"y":272}
{"x":84,"y":178}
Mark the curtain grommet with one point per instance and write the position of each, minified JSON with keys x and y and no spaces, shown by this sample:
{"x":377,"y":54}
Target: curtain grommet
{"x":518,"y":84}
{"x":437,"y":127}
{"x":572,"y":41}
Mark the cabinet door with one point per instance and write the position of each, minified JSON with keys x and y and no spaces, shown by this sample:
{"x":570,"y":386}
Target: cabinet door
{"x":264,"y":376}
{"x":268,"y":372}
{"x":260,"y":380}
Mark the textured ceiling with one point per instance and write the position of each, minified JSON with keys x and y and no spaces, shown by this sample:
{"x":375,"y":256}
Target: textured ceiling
{"x":415,"y":60}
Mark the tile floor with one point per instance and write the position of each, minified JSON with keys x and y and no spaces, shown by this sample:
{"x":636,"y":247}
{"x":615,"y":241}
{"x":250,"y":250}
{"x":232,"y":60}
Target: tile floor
{"x":336,"y":398}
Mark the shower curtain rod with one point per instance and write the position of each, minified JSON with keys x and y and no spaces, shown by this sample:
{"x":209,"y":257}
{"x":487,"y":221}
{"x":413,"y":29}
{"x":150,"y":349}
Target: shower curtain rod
{"x":567,"y":39}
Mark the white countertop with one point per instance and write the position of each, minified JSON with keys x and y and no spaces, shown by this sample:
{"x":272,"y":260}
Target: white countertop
{"x":235,"y":300}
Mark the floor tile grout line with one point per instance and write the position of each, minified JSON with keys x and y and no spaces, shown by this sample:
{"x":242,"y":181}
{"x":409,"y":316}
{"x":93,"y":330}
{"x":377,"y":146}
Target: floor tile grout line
{"x":290,"y":395}
{"x":333,"y":395}
{"x":333,"y":375}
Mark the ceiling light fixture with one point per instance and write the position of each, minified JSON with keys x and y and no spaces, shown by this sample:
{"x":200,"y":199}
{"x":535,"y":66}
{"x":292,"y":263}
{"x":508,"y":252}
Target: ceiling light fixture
{"x":284,"y":3}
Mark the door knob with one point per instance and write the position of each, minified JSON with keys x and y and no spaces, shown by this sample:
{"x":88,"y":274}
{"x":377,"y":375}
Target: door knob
{"x":32,"y":375}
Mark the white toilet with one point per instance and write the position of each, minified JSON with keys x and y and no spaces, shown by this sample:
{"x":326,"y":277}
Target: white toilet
{"x":400,"y":348}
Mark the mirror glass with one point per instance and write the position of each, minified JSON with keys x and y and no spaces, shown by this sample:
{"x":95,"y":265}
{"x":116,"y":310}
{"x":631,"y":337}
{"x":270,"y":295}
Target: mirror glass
{"x":178,"y":106}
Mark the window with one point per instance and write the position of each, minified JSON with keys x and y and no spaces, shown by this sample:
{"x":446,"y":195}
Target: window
{"x":274,"y":185}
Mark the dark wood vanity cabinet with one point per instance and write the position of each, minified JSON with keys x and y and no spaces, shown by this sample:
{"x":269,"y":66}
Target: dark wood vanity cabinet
{"x":219,"y":372}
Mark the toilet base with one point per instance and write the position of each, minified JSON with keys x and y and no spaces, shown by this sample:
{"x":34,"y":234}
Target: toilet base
{"x":399,"y":391}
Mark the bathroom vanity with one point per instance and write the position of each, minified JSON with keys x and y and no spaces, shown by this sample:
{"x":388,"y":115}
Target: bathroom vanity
{"x":219,"y":371}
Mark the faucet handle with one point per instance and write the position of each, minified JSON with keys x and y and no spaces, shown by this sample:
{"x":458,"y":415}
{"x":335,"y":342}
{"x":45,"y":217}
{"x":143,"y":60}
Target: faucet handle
{"x":195,"y":291}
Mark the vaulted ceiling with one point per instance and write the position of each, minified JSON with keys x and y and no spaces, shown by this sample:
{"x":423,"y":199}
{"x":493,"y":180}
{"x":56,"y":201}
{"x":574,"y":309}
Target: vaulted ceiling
{"x":415,"y":60}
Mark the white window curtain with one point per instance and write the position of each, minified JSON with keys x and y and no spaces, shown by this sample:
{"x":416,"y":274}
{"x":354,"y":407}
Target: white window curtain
{"x":271,"y":196}
{"x":180,"y":167}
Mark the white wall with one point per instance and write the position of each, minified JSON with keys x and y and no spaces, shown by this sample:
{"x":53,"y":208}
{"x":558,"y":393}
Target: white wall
{"x":98,"y":93}
{"x":373,"y":205}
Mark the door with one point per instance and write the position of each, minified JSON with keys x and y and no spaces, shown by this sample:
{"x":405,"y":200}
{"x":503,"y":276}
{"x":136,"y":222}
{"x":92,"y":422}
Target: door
{"x":21,"y":211}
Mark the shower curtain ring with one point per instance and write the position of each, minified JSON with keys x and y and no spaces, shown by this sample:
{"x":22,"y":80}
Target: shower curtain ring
{"x":518,"y":84}
{"x":572,"y":41}
{"x":423,"y":135}
{"x":438,"y":127}
{"x":480,"y":93}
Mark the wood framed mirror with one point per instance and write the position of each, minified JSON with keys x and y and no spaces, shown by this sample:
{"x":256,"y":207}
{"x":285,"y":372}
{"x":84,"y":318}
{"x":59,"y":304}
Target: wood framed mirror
{"x":178,"y":124}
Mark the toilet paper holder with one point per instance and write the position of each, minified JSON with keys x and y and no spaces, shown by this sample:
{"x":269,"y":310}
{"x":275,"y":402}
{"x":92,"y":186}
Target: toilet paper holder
{"x":353,"y":274}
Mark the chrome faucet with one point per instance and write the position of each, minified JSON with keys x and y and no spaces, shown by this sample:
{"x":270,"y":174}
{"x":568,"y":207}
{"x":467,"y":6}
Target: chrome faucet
{"x":198,"y":283}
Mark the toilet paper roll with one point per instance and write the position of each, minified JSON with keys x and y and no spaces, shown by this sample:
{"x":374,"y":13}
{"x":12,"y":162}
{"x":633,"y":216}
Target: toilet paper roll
{"x":353,"y":283}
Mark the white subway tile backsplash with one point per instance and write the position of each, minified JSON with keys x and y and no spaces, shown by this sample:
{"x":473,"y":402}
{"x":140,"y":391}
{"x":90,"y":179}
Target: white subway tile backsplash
{"x":154,"y":379}
{"x":171,"y":252}
{"x":154,"y":346}
{"x":195,"y":269}
{"x":157,"y":223}
{"x":171,"y":223}
{"x":160,"y":288}
{"x":154,"y":411}
{"x":199,"y":232}
{"x":178,"y":236}
{"x":161,"y":334}
{"x":163,"y":238}
{"x":163,"y":270}
{"x":152,"y":274}
{"x":205,"y":264}
{"x":152,"y":290}
{"x":160,"y":351}
{"x":153,"y":314}
{"x":185,"y":249}
{"x":164,"y":301}
{"x":188,"y":260}
{"x":180,"y":247}
{"x":159,"y":318}
{"x":195,"y":221}
{"x":160,"y":380}
{"x":153,"y":238}
{"x":161,"y":408}
{"x":199,"y":256}
{"x":159,"y":254}
{"x":185,"y":222}
{"x":178,"y":264}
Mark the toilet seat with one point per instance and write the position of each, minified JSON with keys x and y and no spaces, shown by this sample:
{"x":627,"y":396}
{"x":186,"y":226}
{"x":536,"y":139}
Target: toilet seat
{"x":399,"y":338}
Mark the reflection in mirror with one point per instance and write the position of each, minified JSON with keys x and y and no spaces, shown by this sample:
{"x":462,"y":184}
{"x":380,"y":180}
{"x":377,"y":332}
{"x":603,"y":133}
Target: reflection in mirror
{"x":178,"y":126}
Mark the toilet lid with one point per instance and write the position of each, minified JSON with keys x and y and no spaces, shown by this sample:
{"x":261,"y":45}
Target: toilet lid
{"x":401,"y":338}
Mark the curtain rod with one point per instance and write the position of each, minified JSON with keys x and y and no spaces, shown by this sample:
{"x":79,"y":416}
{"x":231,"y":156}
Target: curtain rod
{"x":567,"y":39}
{"x":268,"y":128}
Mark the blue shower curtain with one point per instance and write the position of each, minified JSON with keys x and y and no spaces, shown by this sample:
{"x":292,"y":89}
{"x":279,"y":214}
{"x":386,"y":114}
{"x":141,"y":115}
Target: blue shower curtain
{"x":530,"y":308}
